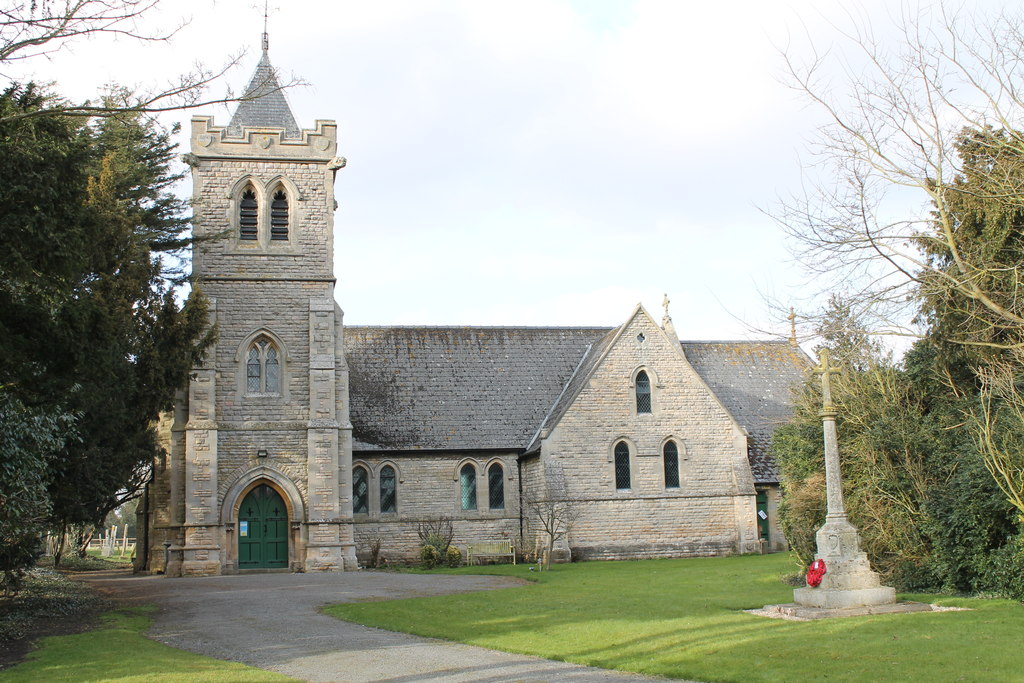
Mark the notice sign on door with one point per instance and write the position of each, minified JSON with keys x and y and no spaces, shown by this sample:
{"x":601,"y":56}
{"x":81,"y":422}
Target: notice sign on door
{"x":760,"y":513}
{"x":243,"y":528}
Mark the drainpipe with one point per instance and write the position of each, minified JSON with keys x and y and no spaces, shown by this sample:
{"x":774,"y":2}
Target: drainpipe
{"x":519,"y":477}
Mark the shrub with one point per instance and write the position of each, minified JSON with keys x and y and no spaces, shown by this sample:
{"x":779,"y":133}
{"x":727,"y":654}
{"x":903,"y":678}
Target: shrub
{"x":430,"y":556}
{"x":801,"y":513}
{"x":437,"y":533}
{"x":453,"y":557}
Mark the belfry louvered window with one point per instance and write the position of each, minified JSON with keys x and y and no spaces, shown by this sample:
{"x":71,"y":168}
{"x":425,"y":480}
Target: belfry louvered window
{"x":467,"y":486}
{"x":670,"y":453}
{"x":262,"y":368}
{"x":248,"y":222}
{"x":388,"y":489}
{"x":643,"y":393}
{"x":622,"y":478}
{"x":279,"y":216}
{"x":496,"y":487}
{"x":360,"y":490}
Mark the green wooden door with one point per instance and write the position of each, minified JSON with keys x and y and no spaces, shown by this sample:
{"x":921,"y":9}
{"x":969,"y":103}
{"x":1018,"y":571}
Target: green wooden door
{"x":762,"y":515}
{"x":262,"y":530}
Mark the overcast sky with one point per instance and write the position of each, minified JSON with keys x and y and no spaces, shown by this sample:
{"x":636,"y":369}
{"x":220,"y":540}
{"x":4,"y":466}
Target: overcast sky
{"x":544,"y":162}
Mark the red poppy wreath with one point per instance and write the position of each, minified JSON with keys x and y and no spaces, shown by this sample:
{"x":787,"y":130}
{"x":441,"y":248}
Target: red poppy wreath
{"x":814,"y":574}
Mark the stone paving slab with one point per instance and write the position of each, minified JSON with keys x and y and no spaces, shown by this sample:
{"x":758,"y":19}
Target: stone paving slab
{"x":271,"y":621}
{"x":795,"y":612}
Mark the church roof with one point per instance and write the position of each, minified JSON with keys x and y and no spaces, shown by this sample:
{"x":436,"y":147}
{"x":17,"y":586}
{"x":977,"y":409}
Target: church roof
{"x":479,"y":388}
{"x":264,"y":105}
{"x":457,"y":388}
{"x":755,"y":381}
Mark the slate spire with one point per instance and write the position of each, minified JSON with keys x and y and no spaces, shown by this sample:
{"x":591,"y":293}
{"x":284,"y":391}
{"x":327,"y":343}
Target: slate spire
{"x":264,"y":104}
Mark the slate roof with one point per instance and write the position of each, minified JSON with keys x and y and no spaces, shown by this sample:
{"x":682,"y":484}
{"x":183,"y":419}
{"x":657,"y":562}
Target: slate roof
{"x":581,"y":375}
{"x":447,"y":388}
{"x":268,"y":107}
{"x":754,"y":381}
{"x":477,"y":388}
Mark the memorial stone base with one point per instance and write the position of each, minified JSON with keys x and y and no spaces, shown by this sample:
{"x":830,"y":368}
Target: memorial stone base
{"x":849,"y":580}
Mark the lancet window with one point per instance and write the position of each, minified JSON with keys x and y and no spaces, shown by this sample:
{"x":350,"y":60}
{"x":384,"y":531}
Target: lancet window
{"x":623,"y":479}
{"x":643,"y":392}
{"x":248,"y":216}
{"x":388,"y":489}
{"x":467,"y":487}
{"x":670,"y":455}
{"x":496,"y":487}
{"x":360,"y":490}
{"x":279,"y":216}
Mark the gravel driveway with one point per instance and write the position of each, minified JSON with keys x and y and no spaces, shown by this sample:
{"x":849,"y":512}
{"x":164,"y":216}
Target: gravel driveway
{"x":271,"y":621}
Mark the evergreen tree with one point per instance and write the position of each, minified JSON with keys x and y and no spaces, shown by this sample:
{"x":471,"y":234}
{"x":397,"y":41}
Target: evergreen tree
{"x":88,"y":317}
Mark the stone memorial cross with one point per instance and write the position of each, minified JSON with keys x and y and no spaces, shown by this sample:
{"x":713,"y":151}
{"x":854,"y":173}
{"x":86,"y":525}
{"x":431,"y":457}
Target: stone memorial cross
{"x":849,"y":581}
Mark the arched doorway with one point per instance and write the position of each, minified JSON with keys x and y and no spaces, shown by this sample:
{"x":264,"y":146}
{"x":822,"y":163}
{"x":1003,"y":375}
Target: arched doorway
{"x":262,"y":530}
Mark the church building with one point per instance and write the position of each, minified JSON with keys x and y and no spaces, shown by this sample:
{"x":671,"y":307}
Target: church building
{"x":302,"y":442}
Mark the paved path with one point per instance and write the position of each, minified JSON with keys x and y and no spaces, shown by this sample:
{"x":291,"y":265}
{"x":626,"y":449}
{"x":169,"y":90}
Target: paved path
{"x":271,"y":621}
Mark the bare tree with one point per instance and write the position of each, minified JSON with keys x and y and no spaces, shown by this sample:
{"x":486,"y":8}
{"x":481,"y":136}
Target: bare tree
{"x":30,"y":28}
{"x":917,"y":127}
{"x":555,"y":513}
{"x":997,"y":427}
{"x":34,"y":28}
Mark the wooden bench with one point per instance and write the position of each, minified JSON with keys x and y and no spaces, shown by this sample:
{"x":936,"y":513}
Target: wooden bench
{"x":489,"y":549}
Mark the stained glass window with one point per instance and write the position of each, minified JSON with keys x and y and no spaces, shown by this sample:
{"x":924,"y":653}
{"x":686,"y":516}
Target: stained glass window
{"x":495,"y":487}
{"x":643,"y":393}
{"x":388,"y":497}
{"x":671,"y":457}
{"x":360,"y":491}
{"x":467,"y":481}
{"x":622,"y":478}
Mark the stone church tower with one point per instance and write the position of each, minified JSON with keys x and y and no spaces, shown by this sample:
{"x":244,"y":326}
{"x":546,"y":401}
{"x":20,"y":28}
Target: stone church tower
{"x":258,"y":475}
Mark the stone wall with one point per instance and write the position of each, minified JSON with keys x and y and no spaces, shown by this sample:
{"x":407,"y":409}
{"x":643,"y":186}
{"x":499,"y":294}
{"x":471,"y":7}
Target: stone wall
{"x":428,"y":489}
{"x":713,"y":509}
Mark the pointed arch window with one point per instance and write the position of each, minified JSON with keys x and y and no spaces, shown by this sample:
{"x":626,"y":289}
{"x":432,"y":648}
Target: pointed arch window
{"x":496,"y":487}
{"x":388,"y":489}
{"x":643,"y":392}
{"x":670,"y":455}
{"x":360,"y":490}
{"x":622,"y":473}
{"x":279,"y":216}
{"x":248,"y":216}
{"x":467,"y":486}
{"x":263,"y":368}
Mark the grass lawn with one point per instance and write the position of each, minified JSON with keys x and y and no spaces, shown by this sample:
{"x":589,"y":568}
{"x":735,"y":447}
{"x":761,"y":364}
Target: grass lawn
{"x":117,"y":651}
{"x":684,"y":619}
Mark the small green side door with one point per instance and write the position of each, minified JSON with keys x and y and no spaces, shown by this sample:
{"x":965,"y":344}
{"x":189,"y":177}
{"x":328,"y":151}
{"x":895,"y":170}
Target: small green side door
{"x":262,"y":530}
{"x":762,"y":515}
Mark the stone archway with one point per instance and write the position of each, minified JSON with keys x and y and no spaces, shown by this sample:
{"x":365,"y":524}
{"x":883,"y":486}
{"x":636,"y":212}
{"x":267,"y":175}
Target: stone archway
{"x":262,"y":529}
{"x":268,"y":497}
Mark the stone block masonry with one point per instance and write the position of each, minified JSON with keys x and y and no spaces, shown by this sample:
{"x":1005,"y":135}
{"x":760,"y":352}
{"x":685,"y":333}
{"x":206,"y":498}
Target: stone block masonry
{"x":712,"y":511}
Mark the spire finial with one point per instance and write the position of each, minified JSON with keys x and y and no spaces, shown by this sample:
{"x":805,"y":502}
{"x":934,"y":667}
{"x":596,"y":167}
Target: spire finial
{"x":792,"y":326}
{"x":266,"y":36}
{"x":665,"y":302}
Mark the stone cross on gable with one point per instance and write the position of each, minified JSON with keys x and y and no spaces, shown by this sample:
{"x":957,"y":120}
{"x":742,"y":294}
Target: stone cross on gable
{"x":826,"y":370}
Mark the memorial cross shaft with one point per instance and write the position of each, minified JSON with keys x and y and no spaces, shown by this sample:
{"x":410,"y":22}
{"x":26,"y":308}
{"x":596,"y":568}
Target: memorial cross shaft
{"x":833,"y":476}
